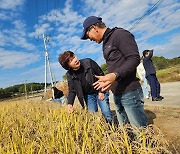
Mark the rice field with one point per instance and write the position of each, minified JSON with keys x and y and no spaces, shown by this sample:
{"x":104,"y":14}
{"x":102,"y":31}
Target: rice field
{"x":34,"y":126}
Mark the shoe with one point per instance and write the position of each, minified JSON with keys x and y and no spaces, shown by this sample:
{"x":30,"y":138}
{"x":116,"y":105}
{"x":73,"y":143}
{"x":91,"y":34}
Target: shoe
{"x":147,"y":97}
{"x":156,"y":99}
{"x":161,"y":97}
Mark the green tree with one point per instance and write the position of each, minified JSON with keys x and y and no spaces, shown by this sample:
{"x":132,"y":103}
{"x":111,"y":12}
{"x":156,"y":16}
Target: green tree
{"x":174,"y":61}
{"x":160,"y":62}
{"x":65,"y":77}
{"x":4,"y":94}
{"x":104,"y":68}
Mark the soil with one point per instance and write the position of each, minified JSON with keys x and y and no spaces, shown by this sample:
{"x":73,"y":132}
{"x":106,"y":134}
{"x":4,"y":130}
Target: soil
{"x":167,"y":119}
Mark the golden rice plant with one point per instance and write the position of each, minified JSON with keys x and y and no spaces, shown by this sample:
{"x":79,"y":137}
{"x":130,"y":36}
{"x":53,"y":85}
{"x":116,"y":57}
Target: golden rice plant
{"x":39,"y":127}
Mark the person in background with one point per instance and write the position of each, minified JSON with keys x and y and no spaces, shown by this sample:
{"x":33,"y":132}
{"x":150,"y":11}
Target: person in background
{"x":58,"y":96}
{"x":122,"y":57}
{"x":151,"y":75}
{"x":142,"y":75}
{"x":81,"y":76}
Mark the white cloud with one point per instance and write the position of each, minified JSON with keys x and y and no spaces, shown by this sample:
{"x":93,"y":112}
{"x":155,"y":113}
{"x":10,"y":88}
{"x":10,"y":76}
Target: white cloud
{"x":168,"y":50}
{"x":67,"y":30}
{"x":114,"y":13}
{"x":64,"y":21}
{"x":5,"y":16}
{"x":57,"y":73}
{"x":40,"y":30}
{"x":10,"y":4}
{"x":16,"y":36}
{"x":14,"y":59}
{"x":163,"y":20}
{"x":171,"y":49}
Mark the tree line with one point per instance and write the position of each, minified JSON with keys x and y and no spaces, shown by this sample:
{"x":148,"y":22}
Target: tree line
{"x":159,"y":63}
{"x":18,"y":90}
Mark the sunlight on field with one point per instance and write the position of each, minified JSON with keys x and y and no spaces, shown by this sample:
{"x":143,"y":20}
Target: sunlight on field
{"x":169,"y":74}
{"x":35,"y":126}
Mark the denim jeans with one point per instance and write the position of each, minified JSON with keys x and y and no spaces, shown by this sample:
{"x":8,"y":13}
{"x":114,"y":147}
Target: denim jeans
{"x":92,"y":103}
{"x":130,"y":108}
{"x":62,"y":100}
{"x":145,"y":86}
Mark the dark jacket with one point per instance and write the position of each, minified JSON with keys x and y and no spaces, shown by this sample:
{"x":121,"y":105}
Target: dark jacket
{"x":91,"y":68}
{"x":57,"y":93}
{"x":148,"y":64}
{"x":121,"y":53}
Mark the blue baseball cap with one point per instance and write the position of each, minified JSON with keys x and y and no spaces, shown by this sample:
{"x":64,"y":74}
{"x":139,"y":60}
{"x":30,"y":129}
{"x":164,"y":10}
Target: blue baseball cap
{"x":89,"y":22}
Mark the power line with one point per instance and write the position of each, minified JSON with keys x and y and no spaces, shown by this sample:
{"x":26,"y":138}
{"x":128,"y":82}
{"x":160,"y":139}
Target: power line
{"x":47,"y":5}
{"x":37,"y":16}
{"x":37,"y":11}
{"x":148,"y":12}
{"x":56,"y":4}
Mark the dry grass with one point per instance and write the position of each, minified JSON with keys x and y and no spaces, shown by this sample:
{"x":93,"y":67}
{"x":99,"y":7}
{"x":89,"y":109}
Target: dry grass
{"x":35,"y":126}
{"x":169,"y":75}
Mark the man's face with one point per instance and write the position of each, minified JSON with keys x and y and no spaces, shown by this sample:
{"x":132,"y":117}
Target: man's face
{"x":93,"y":34}
{"x":74,"y":62}
{"x":147,"y":54}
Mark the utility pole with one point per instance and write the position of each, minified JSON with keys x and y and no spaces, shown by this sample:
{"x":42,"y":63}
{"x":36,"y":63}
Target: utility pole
{"x":45,"y":38}
{"x":32,"y":91}
{"x":55,"y":80}
{"x":25,"y":89}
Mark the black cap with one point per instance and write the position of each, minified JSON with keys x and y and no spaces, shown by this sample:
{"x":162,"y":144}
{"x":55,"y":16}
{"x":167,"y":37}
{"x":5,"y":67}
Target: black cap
{"x":89,"y":22}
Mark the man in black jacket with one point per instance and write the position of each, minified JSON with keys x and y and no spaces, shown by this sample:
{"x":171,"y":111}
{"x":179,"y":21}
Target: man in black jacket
{"x":81,"y":76}
{"x":151,"y":75}
{"x":122,"y":57}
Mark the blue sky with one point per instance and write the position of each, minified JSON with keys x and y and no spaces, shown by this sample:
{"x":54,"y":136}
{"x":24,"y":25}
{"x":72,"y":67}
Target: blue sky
{"x":23,"y":22}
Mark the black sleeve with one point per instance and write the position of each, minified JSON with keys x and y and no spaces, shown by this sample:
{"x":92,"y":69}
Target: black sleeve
{"x":127,"y":45}
{"x":72,"y":92}
{"x":96,"y":68}
{"x":150,"y":54}
{"x":58,"y":93}
{"x":148,"y":57}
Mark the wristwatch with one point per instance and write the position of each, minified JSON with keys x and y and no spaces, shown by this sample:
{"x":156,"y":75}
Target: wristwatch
{"x":117,"y":76}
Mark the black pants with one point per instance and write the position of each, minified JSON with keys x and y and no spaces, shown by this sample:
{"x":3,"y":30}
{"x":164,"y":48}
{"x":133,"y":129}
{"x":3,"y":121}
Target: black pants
{"x":154,"y":84}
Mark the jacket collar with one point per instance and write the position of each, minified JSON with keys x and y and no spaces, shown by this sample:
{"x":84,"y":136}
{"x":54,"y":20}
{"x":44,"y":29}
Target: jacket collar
{"x":108,"y":33}
{"x":84,"y":64}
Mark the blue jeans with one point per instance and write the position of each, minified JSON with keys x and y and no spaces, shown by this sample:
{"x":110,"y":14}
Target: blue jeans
{"x":92,"y":103}
{"x":145,"y":86}
{"x":130,"y":108}
{"x":62,"y":100}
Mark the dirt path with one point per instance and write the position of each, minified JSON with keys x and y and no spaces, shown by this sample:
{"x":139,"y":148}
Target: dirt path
{"x":166,"y":113}
{"x":171,"y":93}
{"x":167,"y":119}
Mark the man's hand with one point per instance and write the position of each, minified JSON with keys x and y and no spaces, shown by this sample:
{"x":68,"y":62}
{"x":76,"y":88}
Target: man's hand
{"x":70,"y":108}
{"x":104,"y":82}
{"x":101,"y":96}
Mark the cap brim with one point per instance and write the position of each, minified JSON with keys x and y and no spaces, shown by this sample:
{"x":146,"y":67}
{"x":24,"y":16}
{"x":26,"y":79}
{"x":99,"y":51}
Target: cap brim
{"x":84,"y":37}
